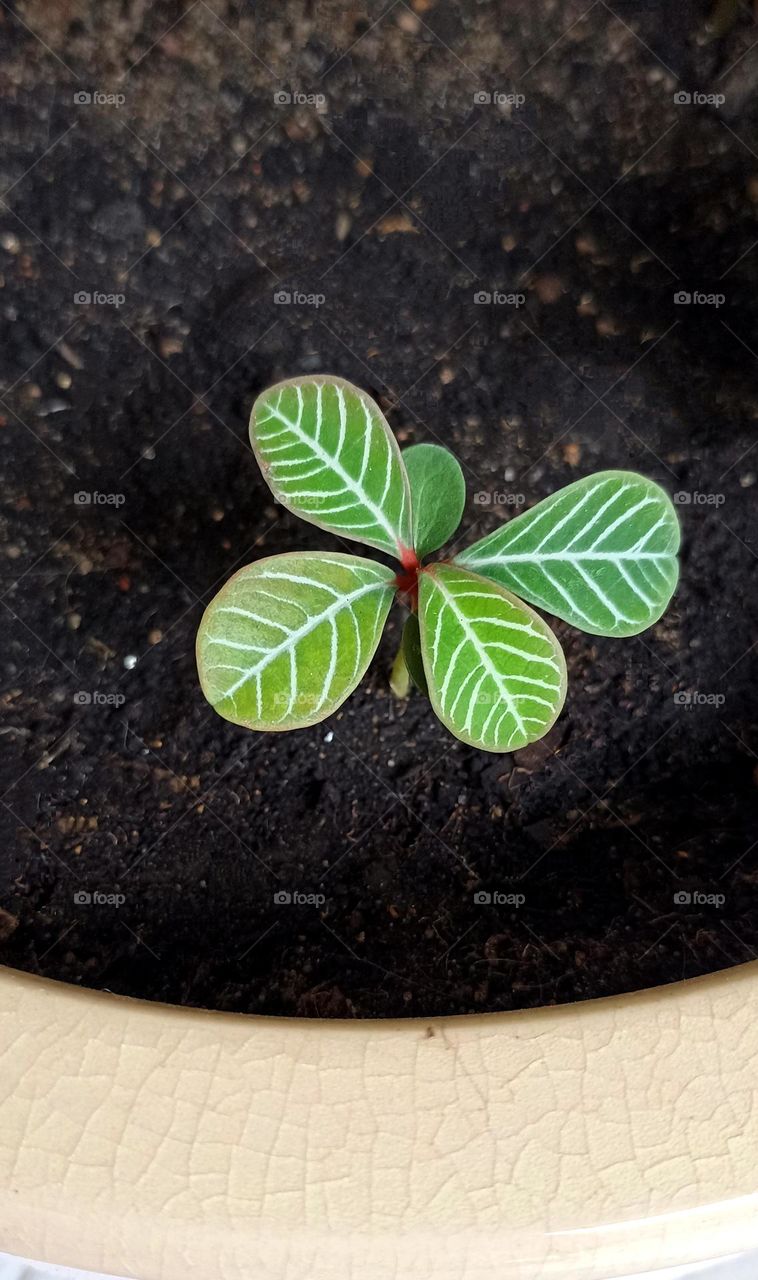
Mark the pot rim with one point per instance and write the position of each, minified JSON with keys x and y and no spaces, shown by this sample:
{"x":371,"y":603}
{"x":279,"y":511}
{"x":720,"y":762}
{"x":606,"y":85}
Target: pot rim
{"x":580,"y":1141}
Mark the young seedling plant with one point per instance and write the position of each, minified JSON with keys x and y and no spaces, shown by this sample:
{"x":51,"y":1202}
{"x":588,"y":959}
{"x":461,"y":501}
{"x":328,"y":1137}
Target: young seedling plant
{"x":287,"y":639}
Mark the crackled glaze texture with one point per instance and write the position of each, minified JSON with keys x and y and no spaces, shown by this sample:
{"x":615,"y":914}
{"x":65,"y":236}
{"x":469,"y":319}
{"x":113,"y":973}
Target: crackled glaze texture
{"x":582,"y":1142}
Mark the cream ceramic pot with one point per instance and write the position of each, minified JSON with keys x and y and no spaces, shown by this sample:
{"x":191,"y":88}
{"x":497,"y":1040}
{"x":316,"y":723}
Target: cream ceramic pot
{"x":586,"y":1141}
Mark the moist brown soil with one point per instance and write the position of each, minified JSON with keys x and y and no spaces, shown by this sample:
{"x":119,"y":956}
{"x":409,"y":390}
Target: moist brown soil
{"x":398,"y":197}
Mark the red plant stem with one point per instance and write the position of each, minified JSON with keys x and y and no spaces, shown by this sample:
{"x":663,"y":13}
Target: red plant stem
{"x":407,"y":579}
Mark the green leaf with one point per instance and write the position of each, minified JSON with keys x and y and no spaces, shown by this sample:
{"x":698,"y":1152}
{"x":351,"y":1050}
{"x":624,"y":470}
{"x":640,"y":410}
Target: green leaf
{"x":328,"y":454}
{"x":496,"y":673}
{"x":400,"y":676}
{"x":600,"y":553}
{"x":438,"y":495}
{"x":414,"y":660}
{"x":287,"y":639}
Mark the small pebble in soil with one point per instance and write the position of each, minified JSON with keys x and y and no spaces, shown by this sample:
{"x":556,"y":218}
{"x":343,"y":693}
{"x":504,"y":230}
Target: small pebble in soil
{"x":408,"y":22}
{"x":53,"y":405}
{"x":130,"y":661}
{"x":548,"y":288}
{"x":170,"y":345}
{"x":70,"y":356}
{"x":586,"y":245}
{"x":155,"y":636}
{"x":607,"y":327}
{"x":639,"y":261}
{"x":329,"y":737}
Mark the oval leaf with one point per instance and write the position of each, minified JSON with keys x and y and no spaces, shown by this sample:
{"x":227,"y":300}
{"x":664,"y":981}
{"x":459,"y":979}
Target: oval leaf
{"x":600,"y":553}
{"x":496,"y":673}
{"x":400,"y":676}
{"x":414,"y":660}
{"x":287,"y":639}
{"x":438,"y":495}
{"x":327,"y":454}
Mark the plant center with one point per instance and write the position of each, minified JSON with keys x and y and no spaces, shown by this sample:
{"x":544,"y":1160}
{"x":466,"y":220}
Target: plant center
{"x":407,"y":578}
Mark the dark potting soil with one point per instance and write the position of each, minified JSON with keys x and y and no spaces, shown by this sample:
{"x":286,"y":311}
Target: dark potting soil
{"x":359,"y":162}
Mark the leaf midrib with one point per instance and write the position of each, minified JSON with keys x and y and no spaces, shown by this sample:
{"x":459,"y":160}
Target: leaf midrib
{"x":523,"y":556}
{"x":330,"y":460}
{"x":486,"y":661}
{"x":294,"y":638}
